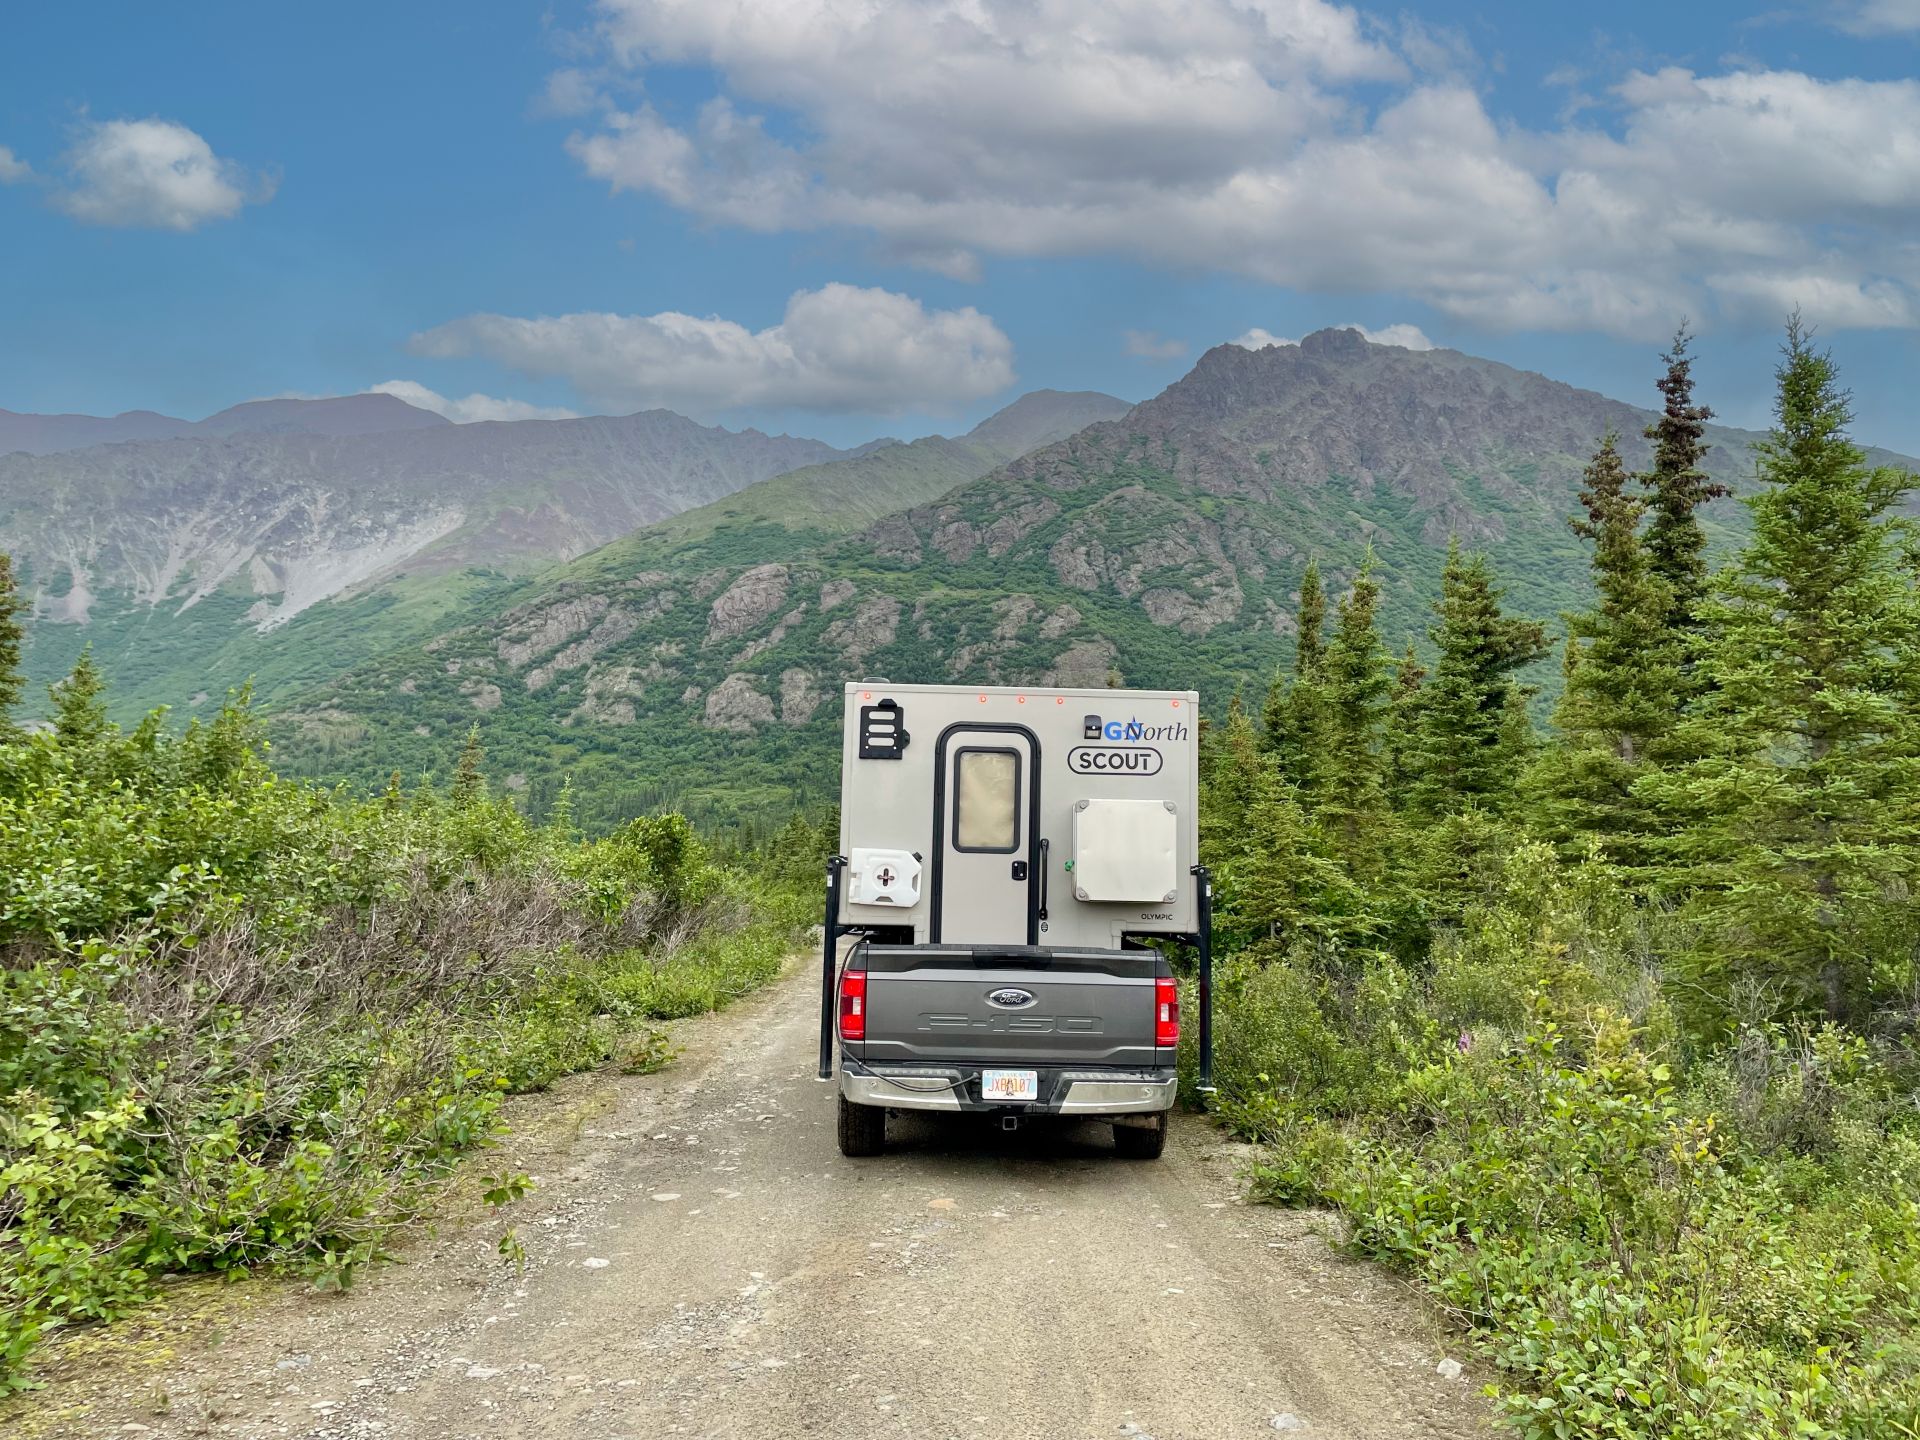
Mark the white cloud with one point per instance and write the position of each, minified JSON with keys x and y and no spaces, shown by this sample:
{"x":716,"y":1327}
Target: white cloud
{"x":1147,"y":345}
{"x":469,"y":408}
{"x":12,"y":168}
{"x":154,"y":174}
{"x":1407,"y":337}
{"x":1875,"y":17}
{"x":568,"y":93}
{"x":838,"y":348}
{"x":1258,"y":339}
{"x":1286,"y":140}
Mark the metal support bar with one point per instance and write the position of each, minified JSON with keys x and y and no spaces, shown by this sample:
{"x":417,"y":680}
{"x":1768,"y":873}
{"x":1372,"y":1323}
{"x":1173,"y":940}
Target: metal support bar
{"x":1203,"y":879}
{"x":829,"y":943}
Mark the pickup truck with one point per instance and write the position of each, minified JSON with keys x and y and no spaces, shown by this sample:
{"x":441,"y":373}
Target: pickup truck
{"x":999,"y":887}
{"x":1018,"y":1031}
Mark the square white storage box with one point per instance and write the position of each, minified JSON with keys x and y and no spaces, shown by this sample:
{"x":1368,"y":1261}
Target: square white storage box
{"x":1125,"y":850}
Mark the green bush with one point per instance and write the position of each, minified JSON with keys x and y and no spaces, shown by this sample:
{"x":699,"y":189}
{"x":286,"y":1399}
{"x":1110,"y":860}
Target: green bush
{"x":245,"y":1021}
{"x":1647,"y":1240}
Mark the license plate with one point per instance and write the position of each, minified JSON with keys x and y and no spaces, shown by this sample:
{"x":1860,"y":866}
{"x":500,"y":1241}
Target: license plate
{"x":1009,"y":1084}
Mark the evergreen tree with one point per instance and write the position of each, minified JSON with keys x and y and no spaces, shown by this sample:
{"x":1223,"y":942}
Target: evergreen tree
{"x":1622,"y":678}
{"x":1295,"y":713}
{"x":1677,"y":487}
{"x":12,"y":642}
{"x":469,"y":776}
{"x":1235,"y":778}
{"x":1464,"y":754}
{"x":1801,"y":808}
{"x":1402,"y":726}
{"x":1350,"y":793}
{"x":1268,"y":872}
{"x":79,"y":709}
{"x":560,"y":821}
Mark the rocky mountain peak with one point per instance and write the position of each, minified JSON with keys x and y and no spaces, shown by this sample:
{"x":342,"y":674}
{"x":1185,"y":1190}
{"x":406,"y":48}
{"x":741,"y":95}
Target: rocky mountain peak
{"x":1335,"y":345}
{"x":1040,"y":417}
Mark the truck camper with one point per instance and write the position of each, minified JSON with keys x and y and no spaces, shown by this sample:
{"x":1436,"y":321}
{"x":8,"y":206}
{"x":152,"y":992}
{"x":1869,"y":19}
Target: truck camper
{"x":1005,"y":856}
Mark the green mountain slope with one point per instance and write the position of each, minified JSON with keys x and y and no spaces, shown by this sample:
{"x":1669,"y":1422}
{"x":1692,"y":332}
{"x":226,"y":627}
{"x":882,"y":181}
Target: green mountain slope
{"x":700,"y":661}
{"x":255,"y":547}
{"x":288,"y":557}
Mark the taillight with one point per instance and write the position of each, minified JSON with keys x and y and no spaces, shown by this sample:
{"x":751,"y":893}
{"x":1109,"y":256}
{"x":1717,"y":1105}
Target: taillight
{"x":853,"y":1005}
{"x":1166,"y":1012}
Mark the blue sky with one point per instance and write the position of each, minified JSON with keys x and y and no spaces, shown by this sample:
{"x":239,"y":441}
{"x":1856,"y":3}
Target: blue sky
{"x":894,"y":219}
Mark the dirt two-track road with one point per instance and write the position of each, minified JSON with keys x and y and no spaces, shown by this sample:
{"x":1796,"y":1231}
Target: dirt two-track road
{"x":703,"y":1262}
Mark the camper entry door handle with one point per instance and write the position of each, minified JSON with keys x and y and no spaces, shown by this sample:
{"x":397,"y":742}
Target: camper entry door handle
{"x":1045,"y":877}
{"x":1019,"y":869}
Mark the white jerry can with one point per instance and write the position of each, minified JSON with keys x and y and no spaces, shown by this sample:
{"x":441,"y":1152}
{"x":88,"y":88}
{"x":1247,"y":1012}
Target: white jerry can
{"x":883,"y":877}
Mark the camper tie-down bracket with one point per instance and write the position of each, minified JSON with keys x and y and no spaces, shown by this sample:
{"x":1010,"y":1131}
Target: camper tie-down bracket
{"x":1203,"y":941}
{"x":829,"y":944}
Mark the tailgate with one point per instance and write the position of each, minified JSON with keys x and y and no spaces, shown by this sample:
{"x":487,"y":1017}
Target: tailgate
{"x":989,"y":1004}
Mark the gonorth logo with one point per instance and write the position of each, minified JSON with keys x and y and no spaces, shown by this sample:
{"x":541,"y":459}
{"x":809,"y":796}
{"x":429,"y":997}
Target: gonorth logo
{"x":1011,"y":998}
{"x":1130,"y":731}
{"x":1114,"y":760}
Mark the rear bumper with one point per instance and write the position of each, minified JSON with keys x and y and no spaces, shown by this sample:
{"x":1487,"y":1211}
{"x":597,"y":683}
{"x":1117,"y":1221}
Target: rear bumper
{"x":956,"y":1088}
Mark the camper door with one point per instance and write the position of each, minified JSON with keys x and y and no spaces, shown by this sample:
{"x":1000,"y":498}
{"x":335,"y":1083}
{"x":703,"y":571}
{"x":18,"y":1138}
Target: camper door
{"x":986,"y":798}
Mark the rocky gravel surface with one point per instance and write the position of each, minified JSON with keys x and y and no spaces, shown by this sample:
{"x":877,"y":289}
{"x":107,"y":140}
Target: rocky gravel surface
{"x":703,"y":1262}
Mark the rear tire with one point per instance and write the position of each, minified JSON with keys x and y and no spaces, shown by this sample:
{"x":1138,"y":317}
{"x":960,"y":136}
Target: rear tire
{"x":863,"y":1129}
{"x":1141,"y":1142}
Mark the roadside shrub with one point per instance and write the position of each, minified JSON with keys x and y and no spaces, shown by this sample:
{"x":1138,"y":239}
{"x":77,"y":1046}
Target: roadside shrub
{"x":249,"y":1021}
{"x":1646,"y":1240}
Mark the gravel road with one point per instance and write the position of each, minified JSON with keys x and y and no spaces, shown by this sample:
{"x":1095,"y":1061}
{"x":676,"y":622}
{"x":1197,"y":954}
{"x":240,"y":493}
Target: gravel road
{"x":703,"y":1262}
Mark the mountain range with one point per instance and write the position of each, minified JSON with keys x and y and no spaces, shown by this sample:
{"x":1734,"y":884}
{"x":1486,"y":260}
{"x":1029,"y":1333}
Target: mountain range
{"x":698,"y":661}
{"x":286,"y":540}
{"x":337,"y":415}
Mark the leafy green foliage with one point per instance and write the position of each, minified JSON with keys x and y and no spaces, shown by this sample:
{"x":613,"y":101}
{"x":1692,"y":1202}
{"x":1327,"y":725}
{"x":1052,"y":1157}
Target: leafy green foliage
{"x":246,"y":1021}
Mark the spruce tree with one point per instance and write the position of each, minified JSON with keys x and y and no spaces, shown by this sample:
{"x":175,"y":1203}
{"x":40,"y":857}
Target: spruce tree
{"x":560,"y":822}
{"x":1464,"y":754}
{"x":1295,"y":714}
{"x":1677,"y":487}
{"x":1349,"y":790}
{"x":1622,"y":679}
{"x":1402,"y":727}
{"x":79,"y":711}
{"x":12,"y":642}
{"x":1235,"y":775}
{"x":1799,"y":815}
{"x":469,"y":776}
{"x":1269,"y":873}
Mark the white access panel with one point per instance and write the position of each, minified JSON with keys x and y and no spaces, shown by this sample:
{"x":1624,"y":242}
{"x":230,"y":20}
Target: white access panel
{"x":1126,"y":850}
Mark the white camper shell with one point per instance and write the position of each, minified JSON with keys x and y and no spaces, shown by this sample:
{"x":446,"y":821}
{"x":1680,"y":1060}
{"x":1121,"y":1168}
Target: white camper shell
{"x":1006,"y":853}
{"x":965,"y":812}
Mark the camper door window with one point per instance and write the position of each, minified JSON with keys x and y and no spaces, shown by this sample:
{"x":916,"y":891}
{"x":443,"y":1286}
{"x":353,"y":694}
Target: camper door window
{"x":986,"y":802}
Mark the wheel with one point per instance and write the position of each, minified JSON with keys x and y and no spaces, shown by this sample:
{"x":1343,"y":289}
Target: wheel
{"x":1141,"y":1142}
{"x":863,"y":1129}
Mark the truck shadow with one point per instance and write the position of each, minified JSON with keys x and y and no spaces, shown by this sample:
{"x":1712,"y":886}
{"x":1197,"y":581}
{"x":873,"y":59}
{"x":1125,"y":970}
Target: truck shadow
{"x":1043,"y":1139}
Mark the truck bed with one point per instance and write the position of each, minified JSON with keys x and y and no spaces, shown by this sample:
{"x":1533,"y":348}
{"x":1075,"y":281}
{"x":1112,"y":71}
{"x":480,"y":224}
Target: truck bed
{"x":963,"y":1005}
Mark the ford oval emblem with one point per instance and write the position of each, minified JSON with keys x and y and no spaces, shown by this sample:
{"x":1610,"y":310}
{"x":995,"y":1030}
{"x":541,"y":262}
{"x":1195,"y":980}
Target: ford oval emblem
{"x":1010,"y":998}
